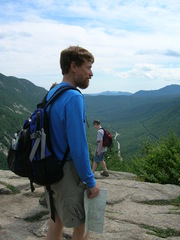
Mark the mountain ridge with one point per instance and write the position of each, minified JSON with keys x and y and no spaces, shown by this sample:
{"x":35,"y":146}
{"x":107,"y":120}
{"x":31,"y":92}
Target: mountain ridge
{"x":134,"y":117}
{"x":172,"y":89}
{"x":168,"y":89}
{"x":110,"y":93}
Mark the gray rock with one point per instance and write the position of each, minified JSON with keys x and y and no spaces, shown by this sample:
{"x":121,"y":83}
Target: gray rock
{"x":130,"y":212}
{"x":4,"y":190}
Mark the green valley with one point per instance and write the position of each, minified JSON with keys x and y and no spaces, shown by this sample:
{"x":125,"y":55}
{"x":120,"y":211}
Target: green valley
{"x":135,"y":117}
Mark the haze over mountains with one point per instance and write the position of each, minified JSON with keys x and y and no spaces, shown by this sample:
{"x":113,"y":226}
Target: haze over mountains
{"x":173,"y":89}
{"x":111,"y":93}
{"x":135,"y":117}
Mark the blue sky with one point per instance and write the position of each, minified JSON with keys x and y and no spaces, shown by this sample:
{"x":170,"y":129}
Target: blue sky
{"x":136,"y":44}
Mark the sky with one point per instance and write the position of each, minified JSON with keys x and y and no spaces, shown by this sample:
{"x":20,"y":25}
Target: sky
{"x":136,"y":43}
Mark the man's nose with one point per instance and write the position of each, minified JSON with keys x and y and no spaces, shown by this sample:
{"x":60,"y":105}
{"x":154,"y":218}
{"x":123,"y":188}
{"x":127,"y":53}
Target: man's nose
{"x":91,"y":73}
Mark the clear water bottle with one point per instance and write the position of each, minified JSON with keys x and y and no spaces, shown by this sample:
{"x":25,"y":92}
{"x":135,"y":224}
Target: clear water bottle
{"x":13,"y":144}
{"x":15,"y":141}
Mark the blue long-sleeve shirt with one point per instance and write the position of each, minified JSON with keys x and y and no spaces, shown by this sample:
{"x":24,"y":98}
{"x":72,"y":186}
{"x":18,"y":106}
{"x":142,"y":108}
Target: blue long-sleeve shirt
{"x":67,"y":127}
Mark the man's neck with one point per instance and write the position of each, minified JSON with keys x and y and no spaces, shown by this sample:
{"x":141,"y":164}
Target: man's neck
{"x":68,"y":78}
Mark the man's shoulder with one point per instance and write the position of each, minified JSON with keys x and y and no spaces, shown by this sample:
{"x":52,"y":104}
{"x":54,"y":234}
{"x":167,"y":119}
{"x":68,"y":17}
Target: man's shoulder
{"x":100,"y":130}
{"x":69,"y":89}
{"x":75,"y":92}
{"x":69,"y":94}
{"x":73,"y":95}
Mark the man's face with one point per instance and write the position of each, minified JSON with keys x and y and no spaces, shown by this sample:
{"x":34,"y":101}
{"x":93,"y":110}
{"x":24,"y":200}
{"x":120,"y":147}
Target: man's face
{"x":83,"y":74}
{"x":96,"y":125}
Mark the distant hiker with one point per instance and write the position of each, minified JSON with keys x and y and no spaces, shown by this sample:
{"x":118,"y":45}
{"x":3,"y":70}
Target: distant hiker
{"x":100,"y":150}
{"x":53,"y":85}
{"x":67,"y":128}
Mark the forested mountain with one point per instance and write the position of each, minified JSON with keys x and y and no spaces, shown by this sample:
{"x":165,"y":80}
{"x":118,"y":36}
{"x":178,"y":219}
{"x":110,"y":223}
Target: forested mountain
{"x":18,"y":98}
{"x":136,"y":117}
{"x":165,"y":91}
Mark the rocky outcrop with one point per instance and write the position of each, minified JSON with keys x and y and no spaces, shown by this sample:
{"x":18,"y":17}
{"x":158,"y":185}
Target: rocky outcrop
{"x":135,"y":210}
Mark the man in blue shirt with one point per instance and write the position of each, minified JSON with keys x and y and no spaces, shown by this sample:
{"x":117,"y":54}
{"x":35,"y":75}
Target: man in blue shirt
{"x":67,"y":128}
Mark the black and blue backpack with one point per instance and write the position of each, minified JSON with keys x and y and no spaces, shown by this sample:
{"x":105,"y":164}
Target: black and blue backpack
{"x":31,"y":155}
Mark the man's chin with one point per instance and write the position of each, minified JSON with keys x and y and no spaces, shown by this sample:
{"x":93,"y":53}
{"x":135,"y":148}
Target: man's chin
{"x":84,"y":86}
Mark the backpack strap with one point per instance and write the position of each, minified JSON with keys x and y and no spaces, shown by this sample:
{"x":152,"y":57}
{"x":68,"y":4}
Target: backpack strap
{"x":57,"y":93}
{"x":51,"y":201}
{"x":40,"y":137}
{"x":101,"y":128}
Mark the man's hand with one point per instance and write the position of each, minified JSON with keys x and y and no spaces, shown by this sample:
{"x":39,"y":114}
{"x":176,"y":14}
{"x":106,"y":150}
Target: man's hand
{"x":93,"y":192}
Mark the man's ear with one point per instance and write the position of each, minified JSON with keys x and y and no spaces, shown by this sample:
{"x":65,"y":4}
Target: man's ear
{"x":73,"y":66}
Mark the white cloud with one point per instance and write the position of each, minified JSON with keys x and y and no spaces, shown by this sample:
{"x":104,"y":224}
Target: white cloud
{"x":129,"y":39}
{"x":151,"y":71}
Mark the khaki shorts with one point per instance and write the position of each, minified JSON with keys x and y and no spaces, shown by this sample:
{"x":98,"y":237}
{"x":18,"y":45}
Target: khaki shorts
{"x":68,"y":195}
